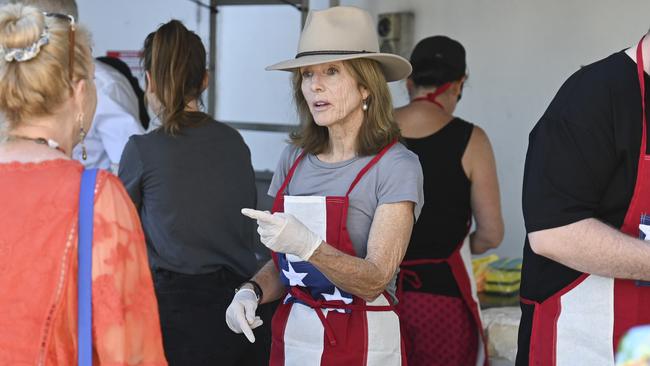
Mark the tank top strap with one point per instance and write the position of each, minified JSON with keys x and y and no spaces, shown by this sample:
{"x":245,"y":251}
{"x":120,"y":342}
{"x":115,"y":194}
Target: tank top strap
{"x":459,"y":132}
{"x":370,"y":164}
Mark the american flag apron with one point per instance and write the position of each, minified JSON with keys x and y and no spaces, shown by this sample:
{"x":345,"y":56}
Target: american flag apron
{"x":317,"y":322}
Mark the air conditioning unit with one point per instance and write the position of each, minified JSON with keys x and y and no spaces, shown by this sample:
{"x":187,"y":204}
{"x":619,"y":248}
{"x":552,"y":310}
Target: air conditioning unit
{"x":395,"y":32}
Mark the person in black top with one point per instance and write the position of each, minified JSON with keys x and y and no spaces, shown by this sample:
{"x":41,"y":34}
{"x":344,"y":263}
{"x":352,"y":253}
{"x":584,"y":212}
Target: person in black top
{"x":438,"y":305}
{"x":585,"y":179}
{"x":189,"y":180}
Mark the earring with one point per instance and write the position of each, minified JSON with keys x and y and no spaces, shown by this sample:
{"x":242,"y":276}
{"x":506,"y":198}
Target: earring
{"x":364,"y":106}
{"x":82,"y":136}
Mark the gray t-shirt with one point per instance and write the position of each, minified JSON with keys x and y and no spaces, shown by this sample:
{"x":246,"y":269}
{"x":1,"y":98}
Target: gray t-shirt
{"x":396,"y":177}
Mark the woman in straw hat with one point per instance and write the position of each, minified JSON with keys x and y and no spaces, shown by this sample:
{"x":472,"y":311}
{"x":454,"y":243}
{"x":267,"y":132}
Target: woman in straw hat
{"x":48,"y":95}
{"x":346,"y":196}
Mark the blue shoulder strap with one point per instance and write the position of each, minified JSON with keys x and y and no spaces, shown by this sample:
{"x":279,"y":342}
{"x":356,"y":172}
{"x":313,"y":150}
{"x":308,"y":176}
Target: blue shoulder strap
{"x":84,"y":294}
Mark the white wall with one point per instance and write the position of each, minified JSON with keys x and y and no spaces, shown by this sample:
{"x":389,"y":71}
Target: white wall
{"x":519,"y":53}
{"x":249,"y":39}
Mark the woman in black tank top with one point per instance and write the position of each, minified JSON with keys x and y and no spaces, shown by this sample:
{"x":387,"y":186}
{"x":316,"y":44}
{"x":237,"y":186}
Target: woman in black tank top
{"x":438,"y":303}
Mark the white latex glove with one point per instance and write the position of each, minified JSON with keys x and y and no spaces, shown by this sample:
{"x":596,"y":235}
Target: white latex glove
{"x":282,"y":232}
{"x":240,"y":315}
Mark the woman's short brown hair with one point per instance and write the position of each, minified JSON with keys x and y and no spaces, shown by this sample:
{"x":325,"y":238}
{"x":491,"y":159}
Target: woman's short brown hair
{"x":378,"y":128}
{"x":38,"y":86}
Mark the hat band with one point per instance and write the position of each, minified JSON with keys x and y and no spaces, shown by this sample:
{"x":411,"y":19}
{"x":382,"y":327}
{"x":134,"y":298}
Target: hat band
{"x":312,"y":53}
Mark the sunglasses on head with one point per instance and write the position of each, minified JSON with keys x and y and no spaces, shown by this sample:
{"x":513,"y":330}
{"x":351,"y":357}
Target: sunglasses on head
{"x":71,"y":38}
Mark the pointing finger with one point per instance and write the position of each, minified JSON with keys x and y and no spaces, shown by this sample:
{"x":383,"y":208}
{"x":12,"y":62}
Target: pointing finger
{"x":245,"y":327}
{"x":257,"y":214}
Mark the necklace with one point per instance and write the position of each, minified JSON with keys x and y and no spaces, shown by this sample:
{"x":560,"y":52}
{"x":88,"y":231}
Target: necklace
{"x":39,"y":140}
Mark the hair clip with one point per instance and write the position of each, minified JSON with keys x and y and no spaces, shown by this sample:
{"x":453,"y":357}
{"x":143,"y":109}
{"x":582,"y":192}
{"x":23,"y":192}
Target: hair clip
{"x":27,"y":53}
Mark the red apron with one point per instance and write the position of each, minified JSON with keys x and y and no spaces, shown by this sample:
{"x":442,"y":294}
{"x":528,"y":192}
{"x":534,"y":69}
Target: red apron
{"x":318,"y":323}
{"x":459,"y":262}
{"x":461,"y":267}
{"x":583,"y":323}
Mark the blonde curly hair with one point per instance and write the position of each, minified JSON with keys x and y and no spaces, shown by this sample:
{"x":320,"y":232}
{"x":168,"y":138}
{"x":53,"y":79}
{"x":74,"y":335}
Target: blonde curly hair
{"x":36,"y":87}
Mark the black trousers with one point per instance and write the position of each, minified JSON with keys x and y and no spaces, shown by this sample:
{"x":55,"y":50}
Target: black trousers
{"x":192,"y":316}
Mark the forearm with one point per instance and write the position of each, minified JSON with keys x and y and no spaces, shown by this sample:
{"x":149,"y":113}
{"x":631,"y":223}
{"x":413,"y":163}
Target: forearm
{"x":358,"y":276}
{"x":268,"y":279}
{"x":368,"y":277}
{"x":591,"y":246}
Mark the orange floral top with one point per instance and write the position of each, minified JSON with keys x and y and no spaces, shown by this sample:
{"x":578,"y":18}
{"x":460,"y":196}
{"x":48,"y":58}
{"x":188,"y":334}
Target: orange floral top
{"x":38,"y":270}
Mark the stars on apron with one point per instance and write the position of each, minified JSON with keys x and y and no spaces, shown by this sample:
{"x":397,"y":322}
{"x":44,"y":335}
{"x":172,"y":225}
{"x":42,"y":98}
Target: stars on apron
{"x":336,"y":296}
{"x":295,"y":278}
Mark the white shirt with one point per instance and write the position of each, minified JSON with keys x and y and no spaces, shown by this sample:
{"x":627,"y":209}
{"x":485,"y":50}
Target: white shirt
{"x":116,"y":119}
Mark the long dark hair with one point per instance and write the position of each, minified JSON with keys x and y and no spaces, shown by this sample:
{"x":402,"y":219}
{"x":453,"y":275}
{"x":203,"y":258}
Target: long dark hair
{"x":175,"y":58}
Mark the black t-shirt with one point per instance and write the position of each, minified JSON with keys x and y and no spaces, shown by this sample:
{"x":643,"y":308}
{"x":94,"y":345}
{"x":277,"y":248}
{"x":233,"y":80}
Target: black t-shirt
{"x":443,"y":223}
{"x":189,"y":190}
{"x":581,"y":163}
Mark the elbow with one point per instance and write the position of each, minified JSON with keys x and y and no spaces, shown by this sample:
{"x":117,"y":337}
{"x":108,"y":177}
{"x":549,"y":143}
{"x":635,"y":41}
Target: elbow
{"x":371,"y":296}
{"x":494,"y":240}
{"x":542,"y":244}
{"x":491,"y":238}
{"x":374,"y":289}
{"x":497,"y":237}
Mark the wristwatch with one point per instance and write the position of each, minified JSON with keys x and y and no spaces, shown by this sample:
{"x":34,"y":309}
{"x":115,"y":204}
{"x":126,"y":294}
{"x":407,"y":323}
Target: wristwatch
{"x":256,"y":288}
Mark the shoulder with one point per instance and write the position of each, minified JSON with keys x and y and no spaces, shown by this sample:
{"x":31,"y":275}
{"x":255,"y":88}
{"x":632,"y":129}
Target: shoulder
{"x":401,"y":112}
{"x":136,"y":141}
{"x":399,"y":155}
{"x":108,"y":185}
{"x":399,"y":163}
{"x":478,"y":154}
{"x":289,"y":154}
{"x":586,"y":99}
{"x":478,"y":136}
{"x":224,"y":130}
{"x":587,"y":88}
{"x":602,"y":72}
{"x":135,"y":145}
{"x":112,"y":203}
{"x":107,"y":79}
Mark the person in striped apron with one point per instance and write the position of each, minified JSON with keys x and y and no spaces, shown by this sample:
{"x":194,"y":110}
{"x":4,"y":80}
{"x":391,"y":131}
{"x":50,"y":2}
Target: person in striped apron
{"x":346,"y":196}
{"x":586,"y":199}
{"x":438,"y":303}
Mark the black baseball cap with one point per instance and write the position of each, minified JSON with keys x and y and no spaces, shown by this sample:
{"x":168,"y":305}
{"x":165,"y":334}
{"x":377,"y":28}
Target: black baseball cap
{"x":441,"y":54}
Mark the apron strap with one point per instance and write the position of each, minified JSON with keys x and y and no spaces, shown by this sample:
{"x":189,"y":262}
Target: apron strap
{"x":287,"y":179}
{"x":641,"y":75}
{"x":317,"y":305}
{"x":431,"y":97}
{"x":84,"y":249}
{"x":370,"y":164}
{"x":363,"y":171}
{"x":412,"y":277}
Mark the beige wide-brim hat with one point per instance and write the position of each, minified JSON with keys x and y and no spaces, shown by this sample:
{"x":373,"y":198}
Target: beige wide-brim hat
{"x":343,"y":33}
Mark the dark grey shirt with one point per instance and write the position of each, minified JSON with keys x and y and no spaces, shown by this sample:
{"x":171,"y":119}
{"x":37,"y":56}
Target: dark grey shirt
{"x":189,"y":190}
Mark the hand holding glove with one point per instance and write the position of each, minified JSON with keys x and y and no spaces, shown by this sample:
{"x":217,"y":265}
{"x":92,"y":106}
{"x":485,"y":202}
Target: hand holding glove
{"x":240,"y":315}
{"x":282,"y":232}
